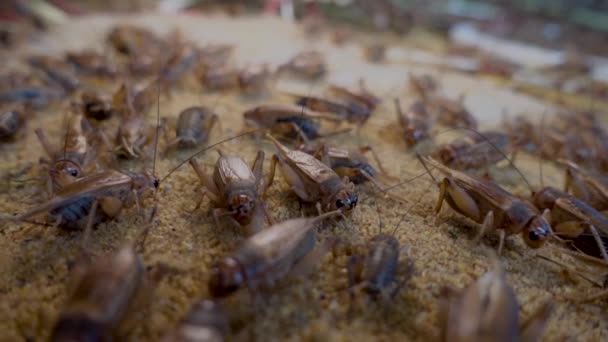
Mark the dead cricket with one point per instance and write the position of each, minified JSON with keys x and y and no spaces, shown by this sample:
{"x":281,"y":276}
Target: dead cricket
{"x":487,"y":310}
{"x":307,"y":64}
{"x":571,"y":217}
{"x":235,"y":189}
{"x":415,"y":123}
{"x":205,"y":322}
{"x":193,"y":128}
{"x":312,"y":180}
{"x":589,"y":186}
{"x":289,"y":121}
{"x":265,"y":258}
{"x":107,"y":294}
{"x":488,"y":204}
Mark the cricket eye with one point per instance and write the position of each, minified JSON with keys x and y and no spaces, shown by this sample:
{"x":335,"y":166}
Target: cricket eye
{"x":74,"y":173}
{"x":533,"y":235}
{"x":156,"y":183}
{"x":339,"y":203}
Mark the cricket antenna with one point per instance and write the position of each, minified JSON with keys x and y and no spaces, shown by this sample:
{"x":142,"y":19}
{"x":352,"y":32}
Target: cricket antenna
{"x":67,"y":129}
{"x":209,"y":147}
{"x":419,"y":157}
{"x":540,"y":149}
{"x":157,"y":125}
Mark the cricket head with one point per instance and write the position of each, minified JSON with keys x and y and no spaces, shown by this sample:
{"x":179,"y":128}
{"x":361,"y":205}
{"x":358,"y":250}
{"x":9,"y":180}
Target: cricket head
{"x":69,"y":168}
{"x":145,"y":184}
{"x":536,"y":231}
{"x":243,"y":206}
{"x":344,"y":199}
{"x":226,"y":278}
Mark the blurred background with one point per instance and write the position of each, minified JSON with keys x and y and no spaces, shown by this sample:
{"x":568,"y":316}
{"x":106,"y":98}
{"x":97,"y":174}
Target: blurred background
{"x":550,"y":23}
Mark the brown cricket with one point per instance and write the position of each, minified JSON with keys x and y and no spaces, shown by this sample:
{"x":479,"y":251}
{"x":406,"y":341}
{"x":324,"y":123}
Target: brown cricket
{"x":376,"y":272}
{"x":89,"y":62}
{"x":268,"y":256}
{"x":351,"y":163}
{"x":289,"y":121}
{"x":134,"y":135}
{"x":312,"y":180}
{"x":205,"y":322}
{"x":307,"y":64}
{"x":452,"y":113}
{"x":589,"y":186}
{"x":488,"y":204}
{"x":235,"y":189}
{"x":415,"y":123}
{"x":11,"y":122}
{"x":571,"y":217}
{"x":107,"y":293}
{"x":477,"y":151}
{"x":193,"y":128}
{"x":75,"y":157}
{"x":487,"y":310}
{"x":96,"y":105}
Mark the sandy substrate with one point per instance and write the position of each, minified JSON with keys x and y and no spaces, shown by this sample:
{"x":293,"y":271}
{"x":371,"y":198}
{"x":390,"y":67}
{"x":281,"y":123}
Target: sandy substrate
{"x":34,"y":260}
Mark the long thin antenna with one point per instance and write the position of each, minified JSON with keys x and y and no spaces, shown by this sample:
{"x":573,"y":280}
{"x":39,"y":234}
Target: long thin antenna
{"x":209,"y":147}
{"x":540,"y":149}
{"x":157,"y":125}
{"x":67,"y":128}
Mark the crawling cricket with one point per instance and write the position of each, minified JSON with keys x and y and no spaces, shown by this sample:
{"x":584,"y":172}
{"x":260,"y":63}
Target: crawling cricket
{"x":352,"y":112}
{"x":478,"y":151}
{"x":588,"y":186}
{"x":488,"y":204}
{"x":73,"y":159}
{"x":571,"y":217}
{"x":263,"y":259}
{"x":376,"y":272}
{"x":56,"y":71}
{"x":452,"y":113}
{"x":415,"y":123}
{"x":11,"y":122}
{"x":351,"y":163}
{"x":235,"y":189}
{"x":205,"y":322}
{"x":219,"y":77}
{"x":424,"y":85}
{"x":307,"y":64}
{"x":312,"y":180}
{"x":96,"y":105}
{"x":107,"y":293}
{"x":254,"y":79}
{"x":487,"y":310}
{"x":193,"y":128}
{"x":89,"y":62}
{"x":133,"y":134}
{"x":362,"y":97}
{"x":289,"y":121}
